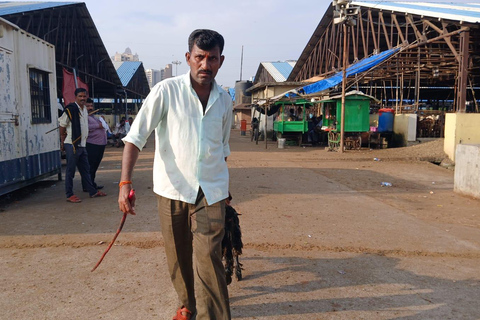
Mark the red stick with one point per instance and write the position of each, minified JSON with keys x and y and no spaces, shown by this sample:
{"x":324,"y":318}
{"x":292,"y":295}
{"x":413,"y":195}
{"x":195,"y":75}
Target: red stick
{"x":122,"y":222}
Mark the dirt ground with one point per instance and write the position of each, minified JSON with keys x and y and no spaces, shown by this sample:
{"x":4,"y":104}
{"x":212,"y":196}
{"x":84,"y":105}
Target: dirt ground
{"x":323,"y":240}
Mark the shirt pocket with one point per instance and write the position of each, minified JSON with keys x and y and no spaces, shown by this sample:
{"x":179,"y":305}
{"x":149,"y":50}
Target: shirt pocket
{"x":213,"y":130}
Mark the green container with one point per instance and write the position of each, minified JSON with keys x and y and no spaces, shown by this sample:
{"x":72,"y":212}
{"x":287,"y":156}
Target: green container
{"x":357,"y":110}
{"x":282,"y":125}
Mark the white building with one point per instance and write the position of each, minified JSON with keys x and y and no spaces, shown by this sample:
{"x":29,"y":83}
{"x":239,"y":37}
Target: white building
{"x":29,"y":141}
{"x":155,"y":76}
{"x":126,"y":56}
{"x":167,"y":72}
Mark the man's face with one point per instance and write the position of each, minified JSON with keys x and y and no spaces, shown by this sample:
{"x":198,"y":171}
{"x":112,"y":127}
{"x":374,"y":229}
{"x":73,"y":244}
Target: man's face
{"x":204,"y":64}
{"x":89,"y":106}
{"x":81,"y":98}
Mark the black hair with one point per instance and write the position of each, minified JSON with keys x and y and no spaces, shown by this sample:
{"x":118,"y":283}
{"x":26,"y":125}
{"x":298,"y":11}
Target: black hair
{"x":89,"y":100}
{"x":79,"y":90}
{"x":206,"y":40}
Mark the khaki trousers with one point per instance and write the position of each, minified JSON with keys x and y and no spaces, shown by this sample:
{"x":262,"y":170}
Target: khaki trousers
{"x":193,"y":236}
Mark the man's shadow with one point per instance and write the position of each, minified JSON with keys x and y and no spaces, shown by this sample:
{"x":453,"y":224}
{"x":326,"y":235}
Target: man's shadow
{"x":361,"y":286}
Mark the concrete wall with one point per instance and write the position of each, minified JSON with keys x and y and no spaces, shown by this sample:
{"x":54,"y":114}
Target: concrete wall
{"x":242,"y":114}
{"x":467,"y":170}
{"x":111,"y":120}
{"x":460,"y":128}
{"x":406,"y":125}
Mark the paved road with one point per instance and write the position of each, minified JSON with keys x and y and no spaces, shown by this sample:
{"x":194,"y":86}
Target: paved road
{"x":323,"y":240}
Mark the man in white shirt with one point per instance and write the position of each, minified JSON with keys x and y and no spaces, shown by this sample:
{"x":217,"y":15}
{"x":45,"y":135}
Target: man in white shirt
{"x":191,"y":116}
{"x":128,"y":125}
{"x":119,"y":132}
{"x":73,"y":139}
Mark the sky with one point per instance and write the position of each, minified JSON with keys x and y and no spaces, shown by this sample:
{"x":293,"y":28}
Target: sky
{"x":157,"y":30}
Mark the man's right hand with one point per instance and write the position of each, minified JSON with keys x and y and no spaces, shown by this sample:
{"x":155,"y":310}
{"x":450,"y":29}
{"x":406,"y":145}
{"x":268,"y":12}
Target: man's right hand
{"x":125,"y":204}
{"x":129,"y":158}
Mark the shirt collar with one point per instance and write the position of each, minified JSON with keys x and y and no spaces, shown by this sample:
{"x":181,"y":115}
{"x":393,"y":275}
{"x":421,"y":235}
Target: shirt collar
{"x":188,"y":82}
{"x":80,"y":108}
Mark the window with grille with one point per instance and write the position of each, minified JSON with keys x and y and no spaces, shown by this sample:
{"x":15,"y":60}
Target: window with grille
{"x":40,"y":96}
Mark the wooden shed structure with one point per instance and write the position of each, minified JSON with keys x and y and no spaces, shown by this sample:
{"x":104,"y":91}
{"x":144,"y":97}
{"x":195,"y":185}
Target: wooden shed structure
{"x":437,"y":66}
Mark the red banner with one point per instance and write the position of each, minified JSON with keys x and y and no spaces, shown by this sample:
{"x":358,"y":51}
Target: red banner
{"x":68,"y":88}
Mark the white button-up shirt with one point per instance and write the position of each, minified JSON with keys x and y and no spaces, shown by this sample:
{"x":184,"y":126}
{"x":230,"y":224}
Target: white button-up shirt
{"x":65,"y":122}
{"x":190,"y":147}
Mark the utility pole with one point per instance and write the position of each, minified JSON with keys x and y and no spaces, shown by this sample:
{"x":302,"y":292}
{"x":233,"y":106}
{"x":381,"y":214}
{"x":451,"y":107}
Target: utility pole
{"x":93,"y":80}
{"x":75,"y":71}
{"x":241,"y":65}
{"x":126,"y":105}
{"x":176,"y":63}
{"x":343,"y":14}
{"x":344,"y":80}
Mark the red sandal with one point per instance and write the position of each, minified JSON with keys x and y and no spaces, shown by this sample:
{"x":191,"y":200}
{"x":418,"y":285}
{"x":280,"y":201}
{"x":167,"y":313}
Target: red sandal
{"x":180,"y":314}
{"x":74,"y":199}
{"x":98,"y":194}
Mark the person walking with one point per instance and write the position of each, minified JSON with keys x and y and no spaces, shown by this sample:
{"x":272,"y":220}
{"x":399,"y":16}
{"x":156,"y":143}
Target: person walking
{"x":96,"y":142}
{"x":73,"y":139}
{"x":191,"y":116}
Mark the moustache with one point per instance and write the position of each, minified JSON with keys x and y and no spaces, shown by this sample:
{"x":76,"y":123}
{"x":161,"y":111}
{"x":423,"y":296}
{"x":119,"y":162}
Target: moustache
{"x":205,"y":72}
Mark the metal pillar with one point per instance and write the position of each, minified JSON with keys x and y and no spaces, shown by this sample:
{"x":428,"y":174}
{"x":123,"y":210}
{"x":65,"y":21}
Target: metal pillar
{"x":344,"y":80}
{"x":462,"y":72}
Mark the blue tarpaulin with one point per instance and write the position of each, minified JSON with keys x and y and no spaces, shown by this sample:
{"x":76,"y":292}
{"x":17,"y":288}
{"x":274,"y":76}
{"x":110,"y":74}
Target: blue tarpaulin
{"x":358,"y":67}
{"x":325,"y":84}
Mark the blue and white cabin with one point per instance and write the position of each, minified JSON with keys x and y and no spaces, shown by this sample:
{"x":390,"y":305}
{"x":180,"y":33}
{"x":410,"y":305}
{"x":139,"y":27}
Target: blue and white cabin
{"x":29,"y":141}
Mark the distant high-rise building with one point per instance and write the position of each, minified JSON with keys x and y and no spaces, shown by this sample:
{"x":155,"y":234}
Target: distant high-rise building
{"x":126,"y":56}
{"x":155,"y":76}
{"x":167,"y":71}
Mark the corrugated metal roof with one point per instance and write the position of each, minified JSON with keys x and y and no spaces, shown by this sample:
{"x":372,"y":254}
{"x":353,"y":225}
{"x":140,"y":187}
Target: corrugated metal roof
{"x":9,"y":7}
{"x":279,"y":70}
{"x":467,"y":12}
{"x":126,"y":70}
